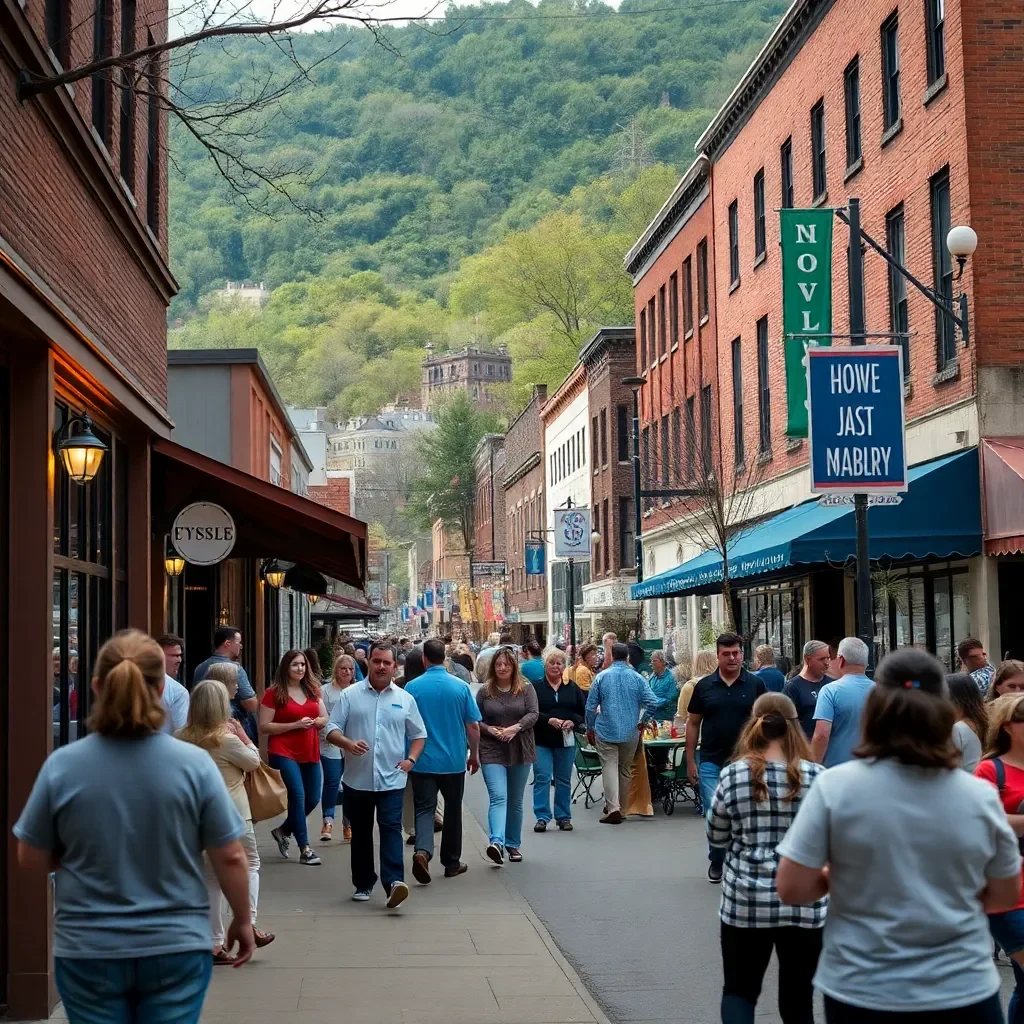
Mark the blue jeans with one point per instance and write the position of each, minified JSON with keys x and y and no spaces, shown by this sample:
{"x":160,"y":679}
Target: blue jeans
{"x":556,"y":761}
{"x":302,"y":780}
{"x":1008,"y":930}
{"x":360,"y":805}
{"x":708,"y":776}
{"x":333,"y":768}
{"x":505,"y":788}
{"x":166,"y":989}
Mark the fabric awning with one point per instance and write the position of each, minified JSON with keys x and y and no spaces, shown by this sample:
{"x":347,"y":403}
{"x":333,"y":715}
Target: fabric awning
{"x":272,"y":522}
{"x":939,"y":517}
{"x":341,"y":607}
{"x":1002,"y":473}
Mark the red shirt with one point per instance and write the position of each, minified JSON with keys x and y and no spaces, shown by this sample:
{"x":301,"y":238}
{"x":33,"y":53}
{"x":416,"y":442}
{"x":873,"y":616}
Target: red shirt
{"x":1012,"y":794}
{"x":301,"y":745}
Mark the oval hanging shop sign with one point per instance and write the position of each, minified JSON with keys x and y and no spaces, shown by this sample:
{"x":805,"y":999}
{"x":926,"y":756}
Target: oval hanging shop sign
{"x":203,"y":533}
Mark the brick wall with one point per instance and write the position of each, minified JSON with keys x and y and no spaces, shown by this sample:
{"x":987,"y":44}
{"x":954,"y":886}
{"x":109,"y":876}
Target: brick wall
{"x":612,"y":479}
{"x":523,"y":503}
{"x":993,"y":45}
{"x":489,"y":509}
{"x":687,"y":367}
{"x":336,"y":494}
{"x":932,"y":137}
{"x":58,"y":223}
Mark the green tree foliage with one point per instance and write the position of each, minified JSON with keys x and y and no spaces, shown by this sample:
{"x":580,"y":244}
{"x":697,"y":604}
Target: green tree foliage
{"x":477,"y":183}
{"x":447,"y":488}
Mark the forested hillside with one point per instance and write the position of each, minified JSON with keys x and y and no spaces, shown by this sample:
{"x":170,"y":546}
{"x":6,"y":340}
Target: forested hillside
{"x":449,"y":171}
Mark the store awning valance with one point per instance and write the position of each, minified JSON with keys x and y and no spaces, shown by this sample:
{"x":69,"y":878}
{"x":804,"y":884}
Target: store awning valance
{"x":1002,"y":470}
{"x":272,"y":522}
{"x":939,"y":517}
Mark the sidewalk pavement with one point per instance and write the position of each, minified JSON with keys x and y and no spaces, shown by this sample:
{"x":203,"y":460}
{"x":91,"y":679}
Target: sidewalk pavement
{"x":463,"y":950}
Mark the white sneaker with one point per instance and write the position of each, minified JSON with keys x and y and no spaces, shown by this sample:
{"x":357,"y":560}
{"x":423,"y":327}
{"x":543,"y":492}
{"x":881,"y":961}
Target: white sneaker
{"x":361,"y":895}
{"x":398,"y":895}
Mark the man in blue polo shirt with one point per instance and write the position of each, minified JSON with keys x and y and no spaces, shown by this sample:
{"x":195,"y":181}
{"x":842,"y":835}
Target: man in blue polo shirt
{"x":452,"y":719}
{"x":718,"y":711}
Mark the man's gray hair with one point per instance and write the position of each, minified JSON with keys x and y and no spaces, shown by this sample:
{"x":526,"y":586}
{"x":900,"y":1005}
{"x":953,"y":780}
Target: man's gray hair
{"x":814,"y":647}
{"x":659,"y":654}
{"x":854,"y":650}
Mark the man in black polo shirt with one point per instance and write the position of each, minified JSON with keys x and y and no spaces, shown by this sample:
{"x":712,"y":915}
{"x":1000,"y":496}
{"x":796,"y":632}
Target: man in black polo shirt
{"x":718,"y":710}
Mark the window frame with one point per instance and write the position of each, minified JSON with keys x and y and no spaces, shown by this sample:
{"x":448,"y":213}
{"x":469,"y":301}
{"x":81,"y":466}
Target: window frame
{"x":942,"y":268}
{"x":666,"y":453}
{"x":707,"y":427}
{"x":760,"y":225}
{"x":642,"y":347}
{"x":662,"y":318}
{"x":734,"y":243}
{"x":627,"y":541}
{"x":652,"y":330}
{"x":153,"y":143}
{"x":57,"y":16}
{"x":737,"y":403}
{"x":673,"y":311}
{"x":703,"y":281}
{"x":891,"y":98}
{"x":786,"y":174}
{"x":687,"y":297}
{"x":126,"y":106}
{"x":935,"y":38}
{"x":604,"y":437}
{"x":100,"y":84}
{"x":691,"y":438}
{"x":851,"y":95}
{"x":764,"y":391}
{"x":677,"y":445}
{"x":622,"y":433}
{"x":819,"y":152}
{"x":899,"y":303}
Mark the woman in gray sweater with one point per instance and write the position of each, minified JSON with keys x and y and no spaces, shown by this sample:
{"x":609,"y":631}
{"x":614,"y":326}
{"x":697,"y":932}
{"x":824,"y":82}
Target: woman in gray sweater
{"x":508,"y":704}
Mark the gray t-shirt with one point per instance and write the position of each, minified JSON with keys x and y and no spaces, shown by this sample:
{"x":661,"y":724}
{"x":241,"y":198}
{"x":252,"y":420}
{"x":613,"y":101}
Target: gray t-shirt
{"x":910,"y":849}
{"x":129,"y":820}
{"x":967,"y":743}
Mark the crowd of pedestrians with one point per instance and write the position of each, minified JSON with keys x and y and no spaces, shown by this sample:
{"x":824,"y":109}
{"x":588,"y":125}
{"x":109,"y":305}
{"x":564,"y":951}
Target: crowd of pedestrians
{"x":865,"y":830}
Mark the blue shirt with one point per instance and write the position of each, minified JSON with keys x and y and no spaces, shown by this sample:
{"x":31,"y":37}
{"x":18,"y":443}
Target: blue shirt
{"x":175,"y":700}
{"x":773,"y":679}
{"x":446,"y":704}
{"x":841,"y":702}
{"x":666,"y":688}
{"x":130,"y":820}
{"x":386,"y":721}
{"x":622,"y":694}
{"x":533,"y":669}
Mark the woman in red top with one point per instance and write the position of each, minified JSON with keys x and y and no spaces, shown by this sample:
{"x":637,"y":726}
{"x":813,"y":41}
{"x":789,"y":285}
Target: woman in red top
{"x":1003,"y":766}
{"x":292,"y":714}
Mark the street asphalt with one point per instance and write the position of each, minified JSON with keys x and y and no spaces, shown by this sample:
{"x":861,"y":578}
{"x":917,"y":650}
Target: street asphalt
{"x":631,"y":909}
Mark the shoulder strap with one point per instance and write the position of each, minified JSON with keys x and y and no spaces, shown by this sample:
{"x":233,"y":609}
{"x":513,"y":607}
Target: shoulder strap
{"x":997,"y":763}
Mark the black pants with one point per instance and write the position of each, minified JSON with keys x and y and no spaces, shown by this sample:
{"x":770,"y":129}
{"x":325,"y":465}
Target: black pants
{"x":360,"y":807}
{"x":425,"y":787}
{"x":989,"y":1011}
{"x":745,"y":956}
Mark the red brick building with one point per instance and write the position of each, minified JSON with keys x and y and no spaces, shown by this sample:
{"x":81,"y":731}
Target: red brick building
{"x":525,"y":519}
{"x":610,"y":357}
{"x":915,"y":109}
{"x":489,"y":509}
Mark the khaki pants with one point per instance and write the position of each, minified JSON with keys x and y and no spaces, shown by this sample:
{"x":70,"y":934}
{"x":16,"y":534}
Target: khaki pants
{"x":616,"y":770}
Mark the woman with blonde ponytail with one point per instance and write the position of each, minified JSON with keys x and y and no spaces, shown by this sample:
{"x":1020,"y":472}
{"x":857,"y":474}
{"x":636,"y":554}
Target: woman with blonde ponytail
{"x":123,"y":817}
{"x":757,"y":798}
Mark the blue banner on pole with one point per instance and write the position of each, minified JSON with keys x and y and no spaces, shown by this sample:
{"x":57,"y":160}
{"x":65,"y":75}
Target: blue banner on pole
{"x":535,"y":560}
{"x":857,"y":431}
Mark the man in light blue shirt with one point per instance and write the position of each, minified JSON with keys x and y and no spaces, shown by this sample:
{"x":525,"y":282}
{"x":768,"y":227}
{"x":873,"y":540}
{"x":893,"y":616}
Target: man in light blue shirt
{"x":665,"y":687}
{"x":619,"y":696}
{"x":840,"y":705}
{"x":174,"y":696}
{"x":452,"y":720}
{"x":227,"y":646}
{"x":373,"y":723}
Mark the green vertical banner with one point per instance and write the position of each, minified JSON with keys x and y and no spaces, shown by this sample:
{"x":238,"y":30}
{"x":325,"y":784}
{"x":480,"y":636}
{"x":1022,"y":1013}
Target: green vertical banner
{"x":806,"y":301}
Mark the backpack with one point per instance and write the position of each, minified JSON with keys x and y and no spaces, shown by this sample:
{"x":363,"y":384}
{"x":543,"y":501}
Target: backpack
{"x":997,"y":763}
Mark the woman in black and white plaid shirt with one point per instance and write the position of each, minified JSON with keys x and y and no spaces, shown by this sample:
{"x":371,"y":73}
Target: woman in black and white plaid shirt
{"x":757,"y":798}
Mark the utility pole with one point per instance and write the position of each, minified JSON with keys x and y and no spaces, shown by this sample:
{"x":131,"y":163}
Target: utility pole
{"x":571,"y":597}
{"x":865,"y":600}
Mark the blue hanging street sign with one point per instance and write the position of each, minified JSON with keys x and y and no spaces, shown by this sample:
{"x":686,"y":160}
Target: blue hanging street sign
{"x":857,"y":430}
{"x":535,"y":560}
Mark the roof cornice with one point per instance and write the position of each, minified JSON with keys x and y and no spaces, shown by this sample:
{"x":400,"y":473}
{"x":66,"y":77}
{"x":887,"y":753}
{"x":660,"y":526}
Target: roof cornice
{"x":783,"y":44}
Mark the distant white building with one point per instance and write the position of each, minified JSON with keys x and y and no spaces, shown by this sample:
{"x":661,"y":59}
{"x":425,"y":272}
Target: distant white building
{"x":368,"y":442}
{"x":312,"y":428}
{"x":246,"y":291}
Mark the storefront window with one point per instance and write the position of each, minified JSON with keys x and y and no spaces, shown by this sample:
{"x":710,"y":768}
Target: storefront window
{"x":926,"y":607}
{"x":82,"y":580}
{"x":772,"y":616}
